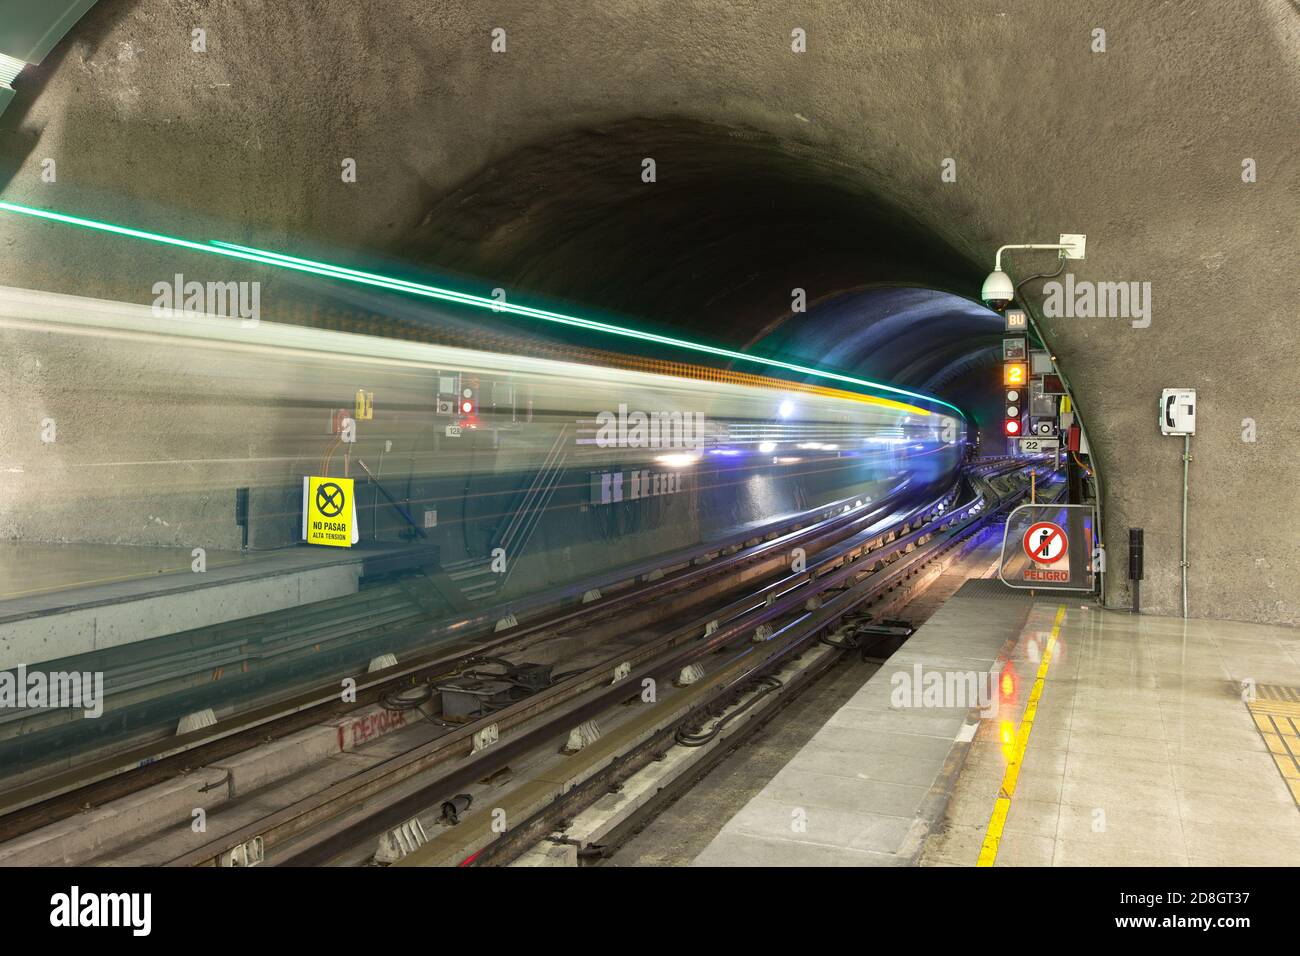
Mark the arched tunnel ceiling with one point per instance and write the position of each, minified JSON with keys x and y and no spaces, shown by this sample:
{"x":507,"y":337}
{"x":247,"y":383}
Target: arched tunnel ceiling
{"x":477,"y":163}
{"x":734,"y":221}
{"x":719,"y":245}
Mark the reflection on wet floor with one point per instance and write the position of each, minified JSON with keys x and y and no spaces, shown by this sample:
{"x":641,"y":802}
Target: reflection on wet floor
{"x":28,"y":569}
{"x":1142,"y":750}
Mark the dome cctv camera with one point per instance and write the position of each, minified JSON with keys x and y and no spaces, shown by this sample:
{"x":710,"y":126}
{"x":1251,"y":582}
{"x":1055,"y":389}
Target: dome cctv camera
{"x":998,"y":291}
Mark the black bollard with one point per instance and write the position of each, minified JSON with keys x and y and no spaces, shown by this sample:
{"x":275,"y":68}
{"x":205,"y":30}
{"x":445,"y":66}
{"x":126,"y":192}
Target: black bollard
{"x":241,"y":516}
{"x":1135,"y":566}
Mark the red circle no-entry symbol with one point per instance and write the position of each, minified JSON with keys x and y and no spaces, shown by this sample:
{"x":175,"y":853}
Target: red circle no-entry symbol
{"x":1045,"y":542}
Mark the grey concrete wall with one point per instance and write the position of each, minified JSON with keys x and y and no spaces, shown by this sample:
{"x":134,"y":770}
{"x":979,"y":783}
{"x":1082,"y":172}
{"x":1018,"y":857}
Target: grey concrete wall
{"x":65,"y":633}
{"x":1140,"y":147}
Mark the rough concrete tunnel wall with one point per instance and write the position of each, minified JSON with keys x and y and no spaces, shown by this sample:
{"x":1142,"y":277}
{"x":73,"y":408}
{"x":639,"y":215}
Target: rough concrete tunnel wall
{"x":1140,"y":147}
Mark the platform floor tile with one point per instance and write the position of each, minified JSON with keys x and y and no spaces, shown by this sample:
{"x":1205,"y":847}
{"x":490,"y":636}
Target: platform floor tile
{"x":1161,"y":742}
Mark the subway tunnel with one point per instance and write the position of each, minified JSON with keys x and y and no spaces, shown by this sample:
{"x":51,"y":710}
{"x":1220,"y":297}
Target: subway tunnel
{"x":468,"y":167}
{"x":785,"y":208}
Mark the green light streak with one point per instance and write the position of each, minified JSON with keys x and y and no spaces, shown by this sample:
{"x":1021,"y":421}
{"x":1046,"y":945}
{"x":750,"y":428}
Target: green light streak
{"x":327,"y":270}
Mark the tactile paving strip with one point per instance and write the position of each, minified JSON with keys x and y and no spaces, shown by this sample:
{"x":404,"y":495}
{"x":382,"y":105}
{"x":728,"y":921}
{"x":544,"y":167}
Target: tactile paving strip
{"x":1277,"y":717}
{"x":1278,"y":692}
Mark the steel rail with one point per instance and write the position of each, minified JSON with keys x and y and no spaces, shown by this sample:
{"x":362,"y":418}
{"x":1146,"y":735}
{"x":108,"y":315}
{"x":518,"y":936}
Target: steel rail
{"x":574,"y":698}
{"x":132,"y":770}
{"x":722,"y":691}
{"x":895,"y":562}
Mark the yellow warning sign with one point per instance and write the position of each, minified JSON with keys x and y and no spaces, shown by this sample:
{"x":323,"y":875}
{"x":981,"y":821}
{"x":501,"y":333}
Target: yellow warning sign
{"x":329,"y":513}
{"x":365,"y":405}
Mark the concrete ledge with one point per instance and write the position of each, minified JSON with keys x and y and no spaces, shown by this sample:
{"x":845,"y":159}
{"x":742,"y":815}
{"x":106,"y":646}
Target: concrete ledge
{"x":359,"y":728}
{"x":78,"y":839}
{"x":117,"y":824}
{"x":279,"y":759}
{"x":95,"y":625}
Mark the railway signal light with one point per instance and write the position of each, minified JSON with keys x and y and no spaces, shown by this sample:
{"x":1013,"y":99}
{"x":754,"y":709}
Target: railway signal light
{"x":1013,"y":407}
{"x":1015,"y":376}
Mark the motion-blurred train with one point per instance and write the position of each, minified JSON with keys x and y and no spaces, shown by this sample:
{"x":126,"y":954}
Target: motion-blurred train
{"x":562,"y":469}
{"x":136,"y":449}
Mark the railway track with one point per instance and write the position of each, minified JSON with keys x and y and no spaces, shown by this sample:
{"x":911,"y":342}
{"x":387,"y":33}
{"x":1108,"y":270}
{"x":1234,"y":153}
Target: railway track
{"x":430,"y":645}
{"x":740,"y":581}
{"x":794,"y":656}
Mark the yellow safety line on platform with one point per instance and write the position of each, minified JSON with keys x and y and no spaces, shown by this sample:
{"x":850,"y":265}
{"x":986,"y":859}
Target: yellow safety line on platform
{"x":993,"y":835}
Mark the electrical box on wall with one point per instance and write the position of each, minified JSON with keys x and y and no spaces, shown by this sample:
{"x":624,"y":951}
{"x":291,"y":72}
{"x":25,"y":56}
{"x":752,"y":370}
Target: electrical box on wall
{"x":1178,"y":411}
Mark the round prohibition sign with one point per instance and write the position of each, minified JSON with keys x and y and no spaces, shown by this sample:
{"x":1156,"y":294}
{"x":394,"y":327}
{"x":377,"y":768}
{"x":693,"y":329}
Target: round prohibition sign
{"x":330,"y":499}
{"x":1045,"y":542}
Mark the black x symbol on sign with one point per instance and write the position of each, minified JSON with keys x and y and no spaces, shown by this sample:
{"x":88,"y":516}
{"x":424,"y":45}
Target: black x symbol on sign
{"x":330,"y":499}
